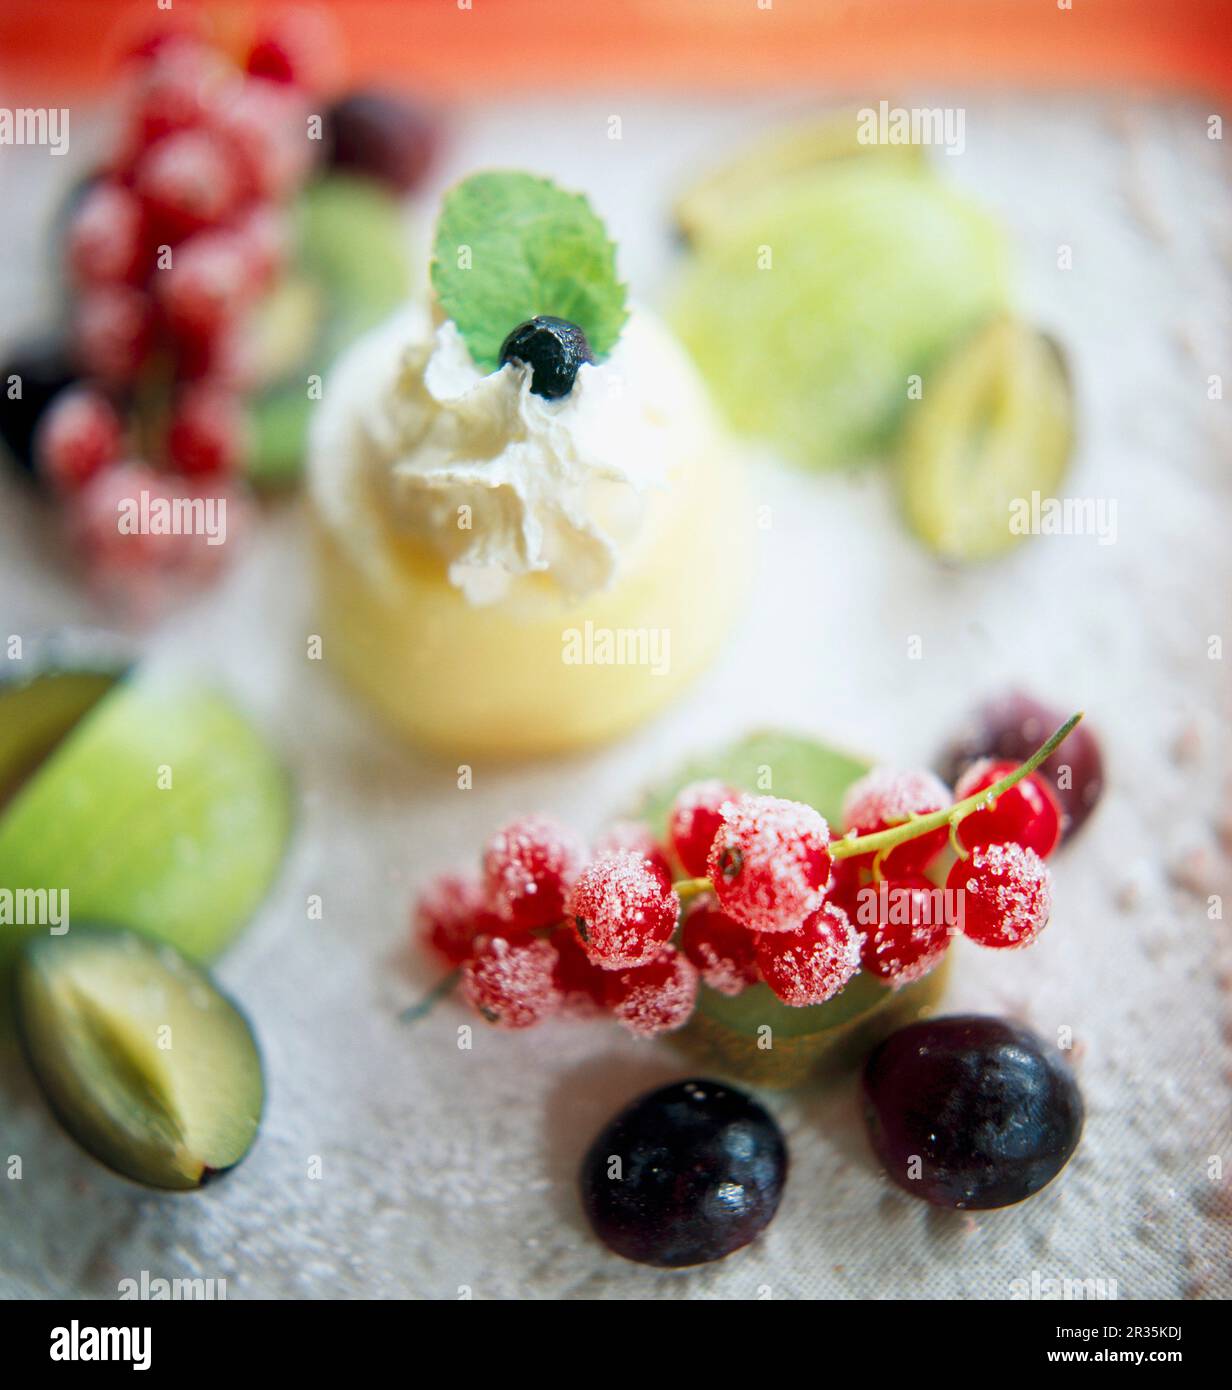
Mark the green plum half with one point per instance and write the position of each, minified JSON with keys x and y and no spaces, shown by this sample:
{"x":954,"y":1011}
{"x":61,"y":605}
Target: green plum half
{"x":162,"y":810}
{"x":153,"y":1071}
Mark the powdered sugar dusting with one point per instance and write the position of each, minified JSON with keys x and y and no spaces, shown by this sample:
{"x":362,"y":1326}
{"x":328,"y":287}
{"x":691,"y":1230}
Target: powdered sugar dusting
{"x":769,"y":862}
{"x":622,"y":910}
{"x":657,"y":998}
{"x":811,"y":964}
{"x":511,"y":983}
{"x":886,"y":797}
{"x":1008,"y":895}
{"x":527,"y":868}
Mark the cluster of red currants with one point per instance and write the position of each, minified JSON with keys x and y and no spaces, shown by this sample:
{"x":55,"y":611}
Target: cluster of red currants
{"x":766,"y":895}
{"x":168,"y":247}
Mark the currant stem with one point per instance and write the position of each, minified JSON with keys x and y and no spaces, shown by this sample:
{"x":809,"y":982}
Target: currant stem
{"x":687,"y":888}
{"x":432,"y":998}
{"x":951,"y":815}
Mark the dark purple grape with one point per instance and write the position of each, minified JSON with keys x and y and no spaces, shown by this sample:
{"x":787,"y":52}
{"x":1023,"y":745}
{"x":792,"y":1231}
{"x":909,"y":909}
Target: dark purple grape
{"x":1013,"y":726}
{"x":382,"y":136}
{"x":553,"y":348}
{"x":971,"y":1111}
{"x":39,"y":370}
{"x":685,"y":1175}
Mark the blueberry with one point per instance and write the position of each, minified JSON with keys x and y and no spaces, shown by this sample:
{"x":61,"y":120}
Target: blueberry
{"x":684,"y":1175}
{"x":43,"y":369}
{"x":971,"y":1111}
{"x":554,"y":349}
{"x":380,"y":135}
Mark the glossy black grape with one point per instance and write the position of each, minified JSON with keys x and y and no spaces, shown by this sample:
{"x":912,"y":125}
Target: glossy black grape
{"x":685,"y":1175}
{"x":971,"y":1111}
{"x":380,"y":135}
{"x":553,"y":348}
{"x":1013,"y":726}
{"x":43,"y":369}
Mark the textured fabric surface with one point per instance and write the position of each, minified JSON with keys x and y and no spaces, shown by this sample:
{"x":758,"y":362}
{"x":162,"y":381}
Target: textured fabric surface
{"x":443,"y":1170}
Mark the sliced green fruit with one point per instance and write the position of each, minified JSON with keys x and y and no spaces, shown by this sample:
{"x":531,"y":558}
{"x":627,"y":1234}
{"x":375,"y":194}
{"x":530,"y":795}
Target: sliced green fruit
{"x":162,"y":810}
{"x":814,"y":303}
{"x":995,"y":424}
{"x":352,"y":269}
{"x":46,"y":693}
{"x":779,"y":155}
{"x":150,"y":1068}
{"x":730,"y":1033}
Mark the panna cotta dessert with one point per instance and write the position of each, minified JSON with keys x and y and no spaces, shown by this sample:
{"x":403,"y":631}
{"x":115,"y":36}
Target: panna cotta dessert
{"x":531,"y":525}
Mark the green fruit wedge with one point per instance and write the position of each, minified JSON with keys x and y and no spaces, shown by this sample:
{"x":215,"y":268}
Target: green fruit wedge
{"x":162,"y":810}
{"x":45,"y":693}
{"x":995,"y":423}
{"x":781,"y":154}
{"x":351,"y":269}
{"x":754,"y":1036}
{"x":143,"y":1061}
{"x":816,"y":301}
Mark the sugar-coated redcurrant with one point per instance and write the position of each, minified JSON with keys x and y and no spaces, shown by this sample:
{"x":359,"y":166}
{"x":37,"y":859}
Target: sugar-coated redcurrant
{"x":769,"y":862}
{"x":905,"y":929}
{"x":658,"y":997}
{"x":694,"y":822}
{"x":884,"y":798}
{"x":622,"y":910}
{"x":811,"y":964}
{"x":113,"y":332}
{"x":1005,"y":895}
{"x":206,"y":436}
{"x":635,"y":835}
{"x":78,"y":435}
{"x":1012,"y":726}
{"x":1027,"y":814}
{"x":581,"y":983}
{"x":528,"y":867}
{"x":512,"y":981}
{"x":450,"y":914}
{"x":106,"y":236}
{"x":724,"y":952}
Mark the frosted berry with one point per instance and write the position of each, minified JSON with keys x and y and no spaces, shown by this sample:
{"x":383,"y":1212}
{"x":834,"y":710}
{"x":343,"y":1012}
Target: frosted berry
{"x":623,"y":912}
{"x":634,"y":835}
{"x":654,"y":998}
{"x":846,"y":876}
{"x":769,"y":862}
{"x":263,"y":129}
{"x":113,"y":332}
{"x":78,"y":435}
{"x":723,"y":950}
{"x":208,"y":283}
{"x":582,"y":985}
{"x":905,"y":930}
{"x":188,"y":181}
{"x":1012,"y":726}
{"x":1026,"y":815}
{"x":695,"y":821}
{"x":512,"y":982}
{"x":811,"y":964}
{"x":1006,"y":895}
{"x":31,"y":378}
{"x":450,"y":914}
{"x":206,"y":436}
{"x":296,"y":47}
{"x":528,"y":867}
{"x":885,"y":798}
{"x":105,"y":236}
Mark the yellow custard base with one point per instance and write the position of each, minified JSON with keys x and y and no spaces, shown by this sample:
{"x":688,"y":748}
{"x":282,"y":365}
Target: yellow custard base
{"x":535,"y":673}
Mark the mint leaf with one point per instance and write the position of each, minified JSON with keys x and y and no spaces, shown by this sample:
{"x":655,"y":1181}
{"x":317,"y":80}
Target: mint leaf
{"x":510,"y":246}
